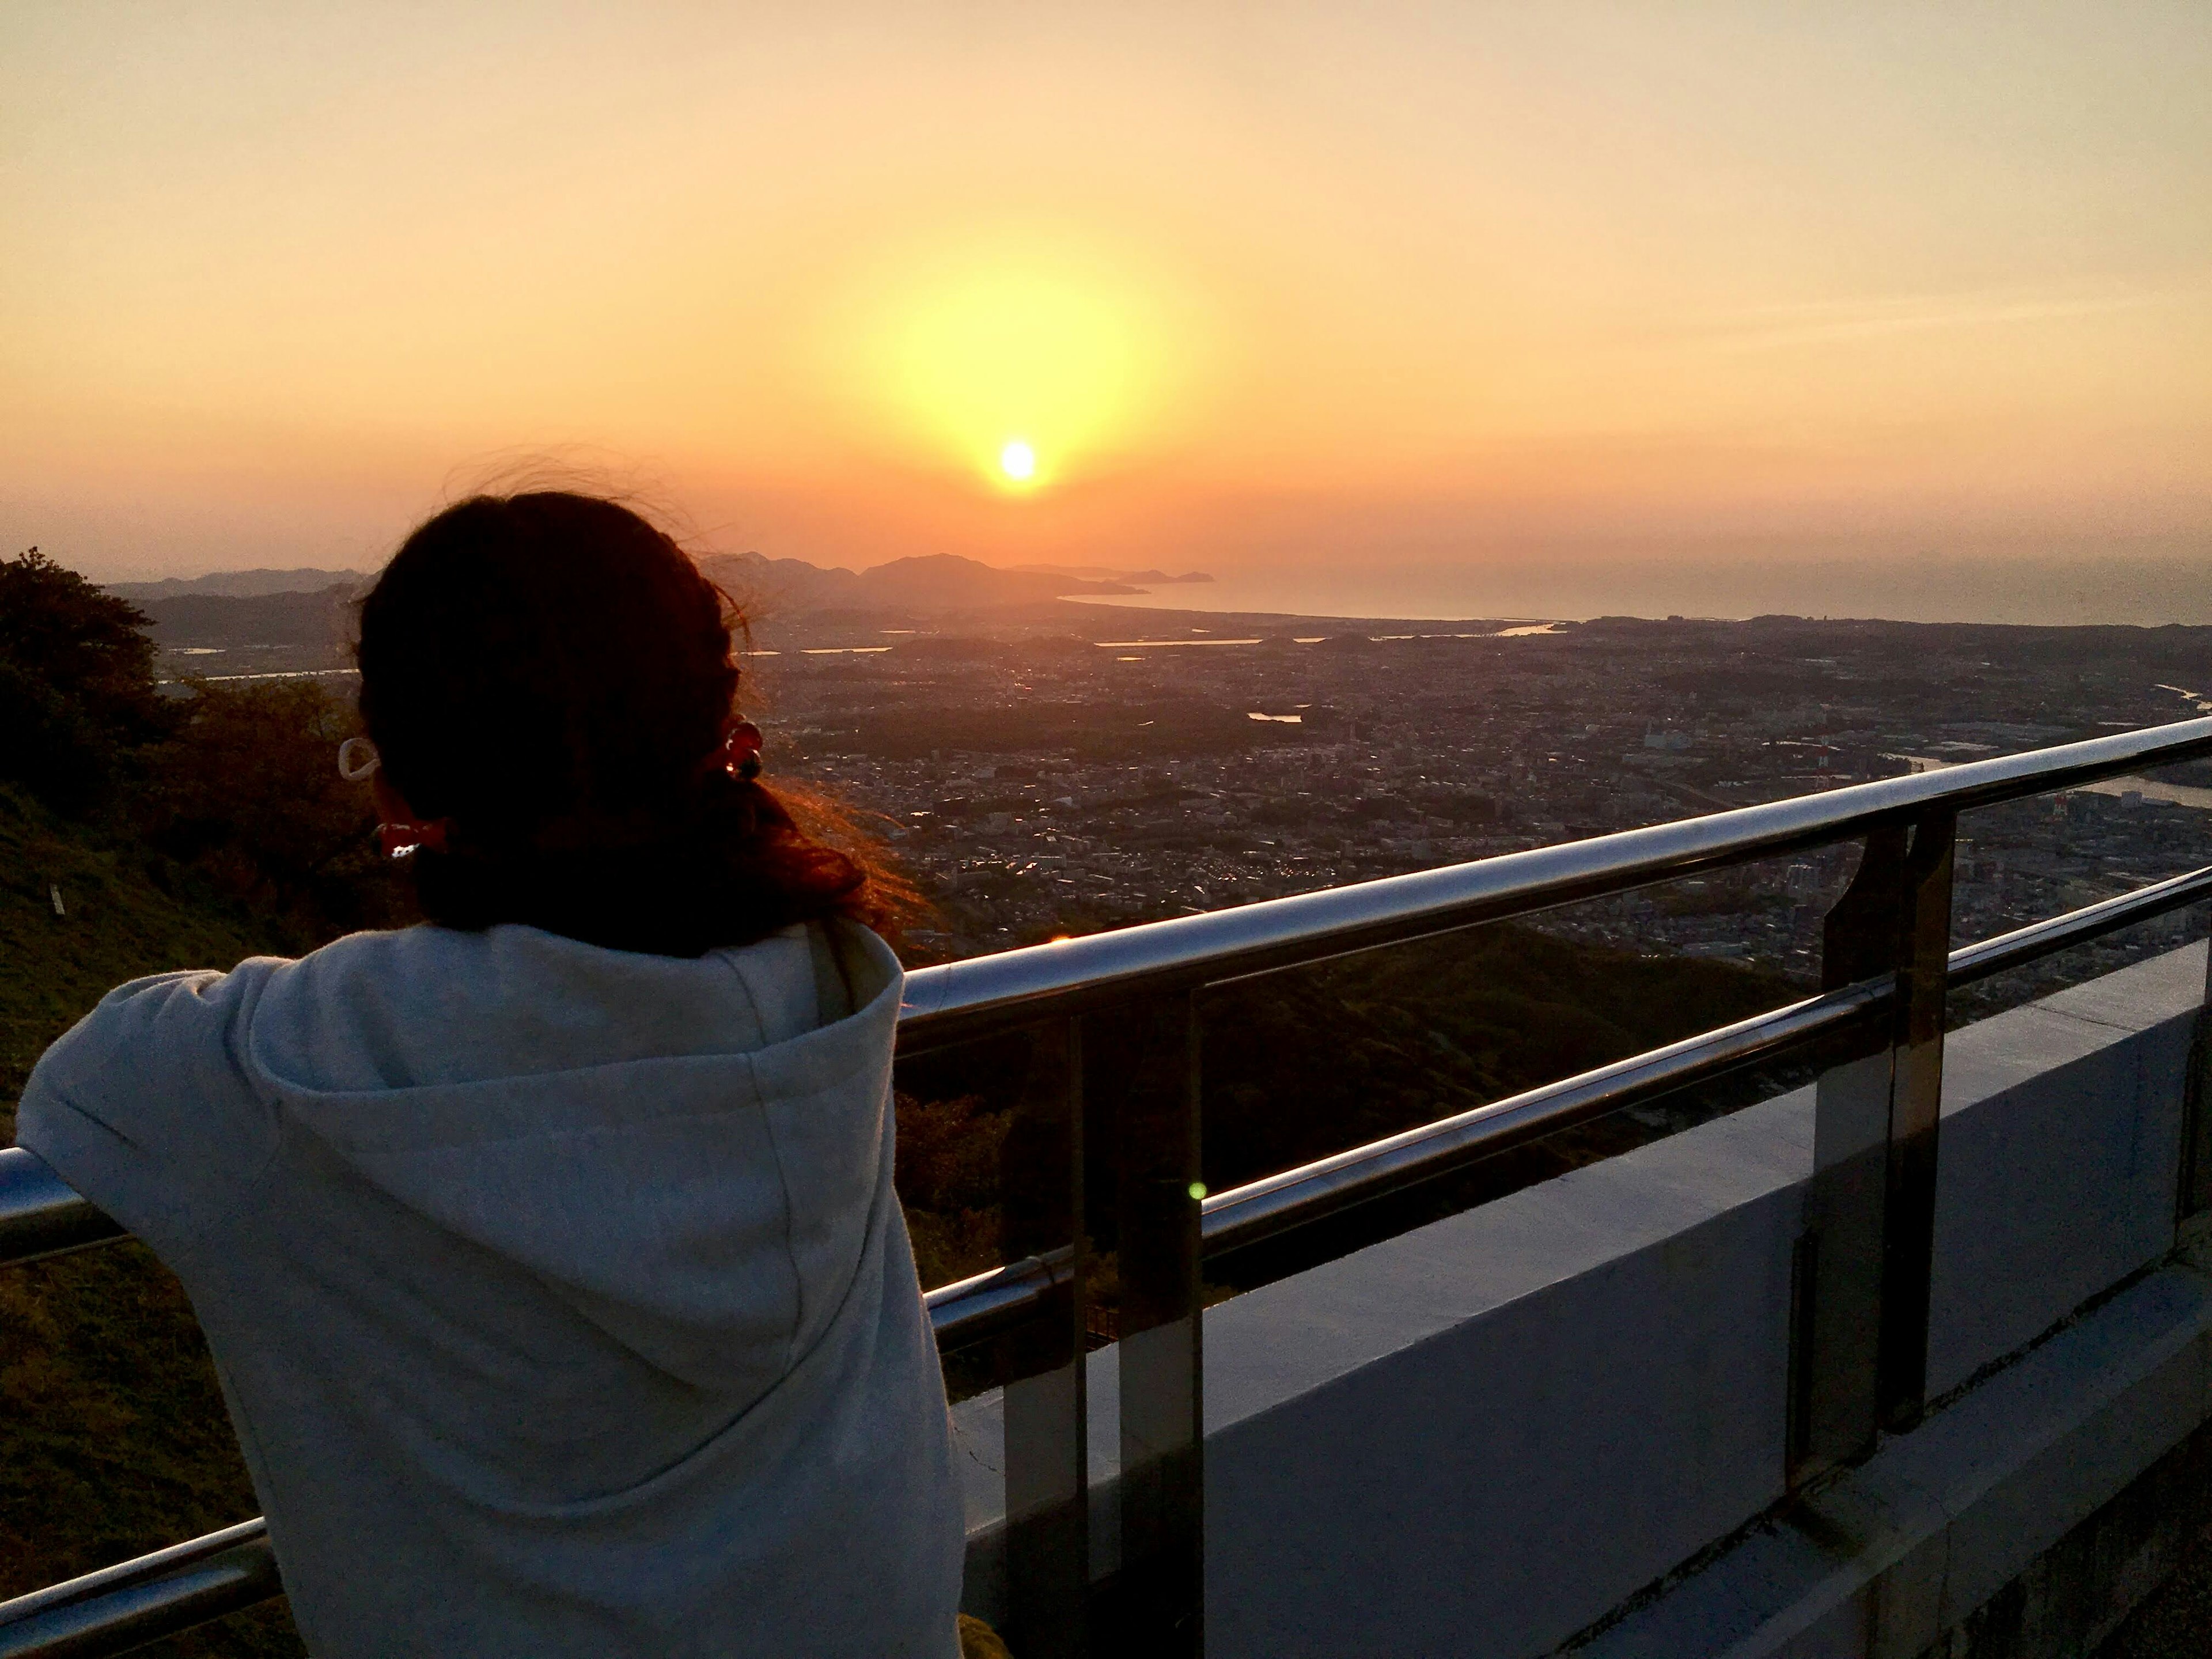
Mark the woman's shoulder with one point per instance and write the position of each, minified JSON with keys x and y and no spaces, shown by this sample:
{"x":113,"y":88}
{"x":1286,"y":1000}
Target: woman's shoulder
{"x":377,"y":949}
{"x":146,"y":1104}
{"x":185,"y":1019}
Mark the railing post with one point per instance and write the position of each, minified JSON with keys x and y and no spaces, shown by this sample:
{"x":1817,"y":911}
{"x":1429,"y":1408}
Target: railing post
{"x":1041,"y":1360}
{"x":1161,"y":1593}
{"x":2194,"y":1199}
{"x":1915,"y":1118}
{"x":1859,"y":1287}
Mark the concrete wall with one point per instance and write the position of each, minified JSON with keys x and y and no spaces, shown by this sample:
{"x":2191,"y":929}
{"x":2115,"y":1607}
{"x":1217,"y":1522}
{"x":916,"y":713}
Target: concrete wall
{"x":1500,"y":1430}
{"x":1915,"y":1547}
{"x":2059,"y":1158}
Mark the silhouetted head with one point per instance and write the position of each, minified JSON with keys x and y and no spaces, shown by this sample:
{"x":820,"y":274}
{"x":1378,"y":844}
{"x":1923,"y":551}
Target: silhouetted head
{"x":551,"y":677}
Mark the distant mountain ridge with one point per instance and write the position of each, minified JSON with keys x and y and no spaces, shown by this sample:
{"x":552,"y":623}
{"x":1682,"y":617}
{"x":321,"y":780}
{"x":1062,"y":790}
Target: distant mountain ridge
{"x":239,"y":584}
{"x":289,"y":630}
{"x":937,"y":581}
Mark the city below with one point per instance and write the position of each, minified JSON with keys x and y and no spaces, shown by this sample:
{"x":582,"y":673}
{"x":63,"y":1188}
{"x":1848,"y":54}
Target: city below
{"x":1048,"y":766}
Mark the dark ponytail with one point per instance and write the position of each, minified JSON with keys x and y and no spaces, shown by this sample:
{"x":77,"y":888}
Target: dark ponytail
{"x":552,"y":677}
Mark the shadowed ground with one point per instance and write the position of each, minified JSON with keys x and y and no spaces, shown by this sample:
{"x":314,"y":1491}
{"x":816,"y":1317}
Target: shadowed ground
{"x":2175,"y":1621}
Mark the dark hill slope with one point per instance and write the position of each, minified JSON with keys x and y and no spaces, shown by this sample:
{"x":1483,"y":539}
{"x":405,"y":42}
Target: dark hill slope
{"x":321,"y":622}
{"x":115,"y":1439}
{"x":128,"y":912}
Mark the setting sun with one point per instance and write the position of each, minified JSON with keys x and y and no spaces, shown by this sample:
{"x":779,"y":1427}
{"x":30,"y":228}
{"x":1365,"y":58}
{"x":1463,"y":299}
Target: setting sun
{"x":1010,"y":347}
{"x":1023,"y":355}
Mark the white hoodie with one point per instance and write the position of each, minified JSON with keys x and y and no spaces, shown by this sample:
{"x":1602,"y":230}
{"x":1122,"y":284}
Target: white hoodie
{"x":559,"y":1294}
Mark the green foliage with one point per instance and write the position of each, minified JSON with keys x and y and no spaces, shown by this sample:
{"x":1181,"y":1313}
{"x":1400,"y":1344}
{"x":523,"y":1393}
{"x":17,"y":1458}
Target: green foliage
{"x":77,"y":683}
{"x":247,"y":790}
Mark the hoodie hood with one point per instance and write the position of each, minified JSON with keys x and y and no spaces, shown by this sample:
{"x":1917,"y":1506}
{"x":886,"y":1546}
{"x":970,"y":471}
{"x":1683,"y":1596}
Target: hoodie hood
{"x":689,"y":1151}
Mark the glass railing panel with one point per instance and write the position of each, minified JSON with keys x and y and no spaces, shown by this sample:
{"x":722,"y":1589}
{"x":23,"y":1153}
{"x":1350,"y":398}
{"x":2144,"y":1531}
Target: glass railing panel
{"x":2023,"y":861}
{"x":1304,"y":1063}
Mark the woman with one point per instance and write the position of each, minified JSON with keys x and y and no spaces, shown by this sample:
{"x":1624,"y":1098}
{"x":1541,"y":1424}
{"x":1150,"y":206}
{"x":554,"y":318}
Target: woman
{"x":548,"y":1252}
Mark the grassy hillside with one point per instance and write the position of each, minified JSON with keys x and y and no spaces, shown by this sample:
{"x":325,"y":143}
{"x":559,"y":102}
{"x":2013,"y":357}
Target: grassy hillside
{"x":115,"y":1439}
{"x":128,"y":913}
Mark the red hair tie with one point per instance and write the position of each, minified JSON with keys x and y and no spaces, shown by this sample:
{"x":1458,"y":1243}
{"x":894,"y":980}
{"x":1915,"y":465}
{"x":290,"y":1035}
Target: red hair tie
{"x":405,"y":835}
{"x":740,"y":753}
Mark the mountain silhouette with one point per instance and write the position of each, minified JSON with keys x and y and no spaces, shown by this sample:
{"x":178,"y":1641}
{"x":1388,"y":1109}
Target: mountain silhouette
{"x":239,"y":584}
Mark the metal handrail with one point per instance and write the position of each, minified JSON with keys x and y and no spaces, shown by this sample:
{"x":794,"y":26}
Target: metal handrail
{"x":974,"y":1307}
{"x":1244,"y":1215}
{"x":135,"y":1601}
{"x":983,"y":1304}
{"x":1260,"y":1209}
{"x":2025,"y":945}
{"x":42,"y":1215}
{"x":121,"y":1607}
{"x":958,"y":1000}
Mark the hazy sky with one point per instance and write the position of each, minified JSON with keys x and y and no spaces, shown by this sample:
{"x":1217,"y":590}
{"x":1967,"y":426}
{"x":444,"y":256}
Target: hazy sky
{"x":1457,"y":300}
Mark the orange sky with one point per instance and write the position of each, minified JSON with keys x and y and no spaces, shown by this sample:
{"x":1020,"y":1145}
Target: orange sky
{"x":1458,"y":289}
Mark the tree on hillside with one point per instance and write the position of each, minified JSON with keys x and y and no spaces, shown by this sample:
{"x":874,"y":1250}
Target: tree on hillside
{"x":77,"y":683}
{"x":247,"y":789}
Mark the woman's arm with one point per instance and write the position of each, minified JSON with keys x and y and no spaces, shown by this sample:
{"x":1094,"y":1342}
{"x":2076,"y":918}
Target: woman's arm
{"x":146,"y":1108}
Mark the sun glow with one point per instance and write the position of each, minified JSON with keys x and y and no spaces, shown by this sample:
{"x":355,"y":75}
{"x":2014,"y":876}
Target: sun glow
{"x":1014,"y":351}
{"x":1021,"y":357}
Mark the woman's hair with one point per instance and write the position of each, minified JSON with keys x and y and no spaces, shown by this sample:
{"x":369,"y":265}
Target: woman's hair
{"x":553,"y":676}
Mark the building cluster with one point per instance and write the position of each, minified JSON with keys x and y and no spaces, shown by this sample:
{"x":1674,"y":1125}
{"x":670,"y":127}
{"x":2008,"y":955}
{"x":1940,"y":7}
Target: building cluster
{"x":1038,"y":784}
